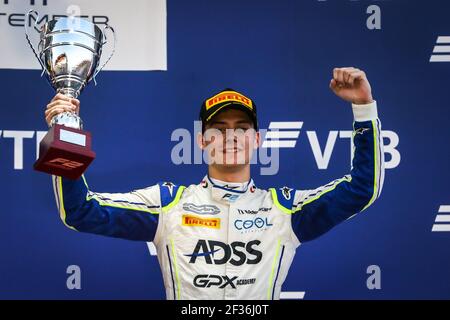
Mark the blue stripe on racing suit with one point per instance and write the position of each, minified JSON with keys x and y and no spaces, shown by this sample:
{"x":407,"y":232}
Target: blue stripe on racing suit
{"x":132,"y":216}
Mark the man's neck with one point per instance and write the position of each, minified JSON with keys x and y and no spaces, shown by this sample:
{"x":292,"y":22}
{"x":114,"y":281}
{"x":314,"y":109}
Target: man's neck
{"x":230,"y":173}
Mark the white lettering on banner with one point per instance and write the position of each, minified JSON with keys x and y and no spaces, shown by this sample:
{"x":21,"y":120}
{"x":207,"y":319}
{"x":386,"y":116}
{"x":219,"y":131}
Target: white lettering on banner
{"x":442,"y":47}
{"x":391,"y":148}
{"x":182,"y":152}
{"x":322,"y":160}
{"x":374,"y":20}
{"x":140,"y":26}
{"x":73,"y":282}
{"x":348,"y":134}
{"x":39,"y":136}
{"x":442,"y":221}
{"x":374,"y":279}
{"x":272,"y":138}
{"x":18,"y":137}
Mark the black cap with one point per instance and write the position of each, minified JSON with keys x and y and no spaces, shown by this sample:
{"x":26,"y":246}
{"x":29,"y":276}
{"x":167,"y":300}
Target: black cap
{"x":227,"y":99}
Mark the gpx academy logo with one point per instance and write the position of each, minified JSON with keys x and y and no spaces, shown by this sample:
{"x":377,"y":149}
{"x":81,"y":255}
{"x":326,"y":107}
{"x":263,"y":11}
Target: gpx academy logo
{"x":211,"y":280}
{"x":218,"y":253}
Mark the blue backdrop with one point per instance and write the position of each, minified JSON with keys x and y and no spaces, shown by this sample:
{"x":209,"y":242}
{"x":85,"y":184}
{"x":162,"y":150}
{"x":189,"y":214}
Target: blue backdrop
{"x":280,"y":53}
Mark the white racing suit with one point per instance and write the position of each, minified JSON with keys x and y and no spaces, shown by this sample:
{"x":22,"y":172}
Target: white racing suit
{"x":219,"y":243}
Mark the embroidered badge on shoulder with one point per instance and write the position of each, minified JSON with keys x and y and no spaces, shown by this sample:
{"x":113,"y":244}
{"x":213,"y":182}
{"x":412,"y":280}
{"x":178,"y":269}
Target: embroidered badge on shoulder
{"x":286,"y":191}
{"x":361,"y":130}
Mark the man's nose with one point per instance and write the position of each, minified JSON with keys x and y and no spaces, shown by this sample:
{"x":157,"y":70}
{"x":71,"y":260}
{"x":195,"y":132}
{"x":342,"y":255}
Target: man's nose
{"x":231,"y":137}
{"x":230,"y":133}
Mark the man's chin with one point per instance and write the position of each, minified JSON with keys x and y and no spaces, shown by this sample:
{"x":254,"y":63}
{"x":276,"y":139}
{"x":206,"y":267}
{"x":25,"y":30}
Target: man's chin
{"x":231,"y":165}
{"x":232,"y":159}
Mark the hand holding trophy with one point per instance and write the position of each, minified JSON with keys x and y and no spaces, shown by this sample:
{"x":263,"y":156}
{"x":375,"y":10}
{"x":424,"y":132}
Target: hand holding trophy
{"x":69,"y":54}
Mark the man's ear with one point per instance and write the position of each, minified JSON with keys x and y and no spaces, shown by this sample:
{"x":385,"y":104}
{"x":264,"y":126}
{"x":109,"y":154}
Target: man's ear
{"x":257,"y":140}
{"x":200,"y":141}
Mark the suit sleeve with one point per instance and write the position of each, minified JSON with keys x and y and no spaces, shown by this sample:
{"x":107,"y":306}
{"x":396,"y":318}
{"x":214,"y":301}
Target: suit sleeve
{"x":132,"y":216}
{"x":317,"y":211}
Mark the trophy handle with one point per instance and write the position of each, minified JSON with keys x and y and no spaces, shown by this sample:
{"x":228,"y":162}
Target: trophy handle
{"x":108,"y":27}
{"x":28,"y":38}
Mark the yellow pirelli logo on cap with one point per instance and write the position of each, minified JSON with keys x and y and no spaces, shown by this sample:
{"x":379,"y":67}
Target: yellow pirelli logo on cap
{"x":192,"y":221}
{"x":228,"y":96}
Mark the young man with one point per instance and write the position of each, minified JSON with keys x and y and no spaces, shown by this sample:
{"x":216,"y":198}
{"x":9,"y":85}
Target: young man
{"x":224,"y":238}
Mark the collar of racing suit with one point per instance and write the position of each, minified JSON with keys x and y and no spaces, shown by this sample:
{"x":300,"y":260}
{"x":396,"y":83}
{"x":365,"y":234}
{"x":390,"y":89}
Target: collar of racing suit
{"x":227,"y":192}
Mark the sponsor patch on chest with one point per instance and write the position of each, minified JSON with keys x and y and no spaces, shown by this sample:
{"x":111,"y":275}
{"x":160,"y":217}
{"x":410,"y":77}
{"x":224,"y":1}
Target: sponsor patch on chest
{"x":193,"y":221}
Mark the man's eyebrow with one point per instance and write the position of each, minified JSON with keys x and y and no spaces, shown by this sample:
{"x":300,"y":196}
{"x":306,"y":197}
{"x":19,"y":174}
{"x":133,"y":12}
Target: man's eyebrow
{"x":217,"y":122}
{"x":224,"y":122}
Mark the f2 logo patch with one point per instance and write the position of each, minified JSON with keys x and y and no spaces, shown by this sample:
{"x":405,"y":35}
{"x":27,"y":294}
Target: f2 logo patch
{"x":230,"y":197}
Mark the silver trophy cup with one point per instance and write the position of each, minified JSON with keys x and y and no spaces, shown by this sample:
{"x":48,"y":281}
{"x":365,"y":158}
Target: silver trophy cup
{"x":69,"y":53}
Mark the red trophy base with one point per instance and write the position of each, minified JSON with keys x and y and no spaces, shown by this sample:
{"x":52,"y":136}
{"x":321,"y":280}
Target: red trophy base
{"x":65,"y":152}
